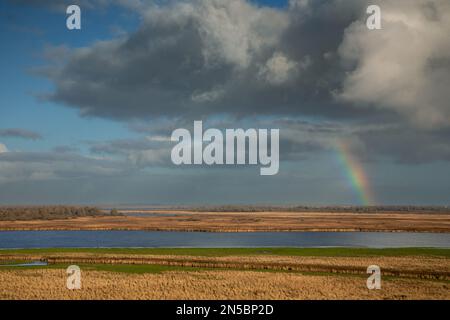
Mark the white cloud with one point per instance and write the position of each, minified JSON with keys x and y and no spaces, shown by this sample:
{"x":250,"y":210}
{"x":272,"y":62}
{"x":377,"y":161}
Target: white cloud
{"x":405,"y":67}
{"x":279,"y":69}
{"x":211,"y":57}
{"x":3,"y":148}
{"x":232,"y":31}
{"x":208,"y":96}
{"x":149,"y":158}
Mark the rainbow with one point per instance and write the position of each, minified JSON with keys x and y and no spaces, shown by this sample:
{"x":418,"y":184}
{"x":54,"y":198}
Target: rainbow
{"x":355,"y":173}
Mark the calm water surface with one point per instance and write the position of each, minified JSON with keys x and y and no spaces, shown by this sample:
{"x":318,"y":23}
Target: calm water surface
{"x":155,"y":239}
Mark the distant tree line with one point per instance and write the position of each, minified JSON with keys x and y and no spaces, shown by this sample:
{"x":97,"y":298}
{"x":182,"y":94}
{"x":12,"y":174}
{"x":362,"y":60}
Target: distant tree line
{"x":51,"y":212}
{"x":355,"y":209}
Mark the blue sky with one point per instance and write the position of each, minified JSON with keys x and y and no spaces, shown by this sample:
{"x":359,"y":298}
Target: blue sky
{"x":28,"y":31}
{"x":93,"y":150}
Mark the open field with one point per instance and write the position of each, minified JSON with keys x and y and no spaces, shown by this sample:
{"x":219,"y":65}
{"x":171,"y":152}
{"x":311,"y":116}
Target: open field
{"x":221,"y":284}
{"x":281,"y":273}
{"x":178,"y":220}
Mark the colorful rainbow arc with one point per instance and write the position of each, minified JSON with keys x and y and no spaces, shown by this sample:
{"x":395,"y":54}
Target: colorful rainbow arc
{"x":355,"y":173}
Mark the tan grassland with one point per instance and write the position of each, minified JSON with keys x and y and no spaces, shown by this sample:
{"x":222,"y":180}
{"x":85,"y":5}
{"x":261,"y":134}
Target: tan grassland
{"x":173,"y":220}
{"x":111,"y":276}
{"x":220,"y":284}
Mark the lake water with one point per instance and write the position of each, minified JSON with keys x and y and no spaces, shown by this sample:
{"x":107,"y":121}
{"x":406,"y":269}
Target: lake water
{"x":26,"y":264}
{"x":155,"y":239}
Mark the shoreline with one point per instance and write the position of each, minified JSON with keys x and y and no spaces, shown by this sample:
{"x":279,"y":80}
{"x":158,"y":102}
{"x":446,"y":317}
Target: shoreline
{"x":228,"y":230}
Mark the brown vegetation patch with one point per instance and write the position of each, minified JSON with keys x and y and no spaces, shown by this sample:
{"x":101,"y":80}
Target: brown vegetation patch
{"x":50,"y":284}
{"x":170,"y":220}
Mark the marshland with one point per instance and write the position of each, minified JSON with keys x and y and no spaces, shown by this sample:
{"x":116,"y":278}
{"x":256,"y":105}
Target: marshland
{"x":36,"y":252}
{"x":233,"y":273}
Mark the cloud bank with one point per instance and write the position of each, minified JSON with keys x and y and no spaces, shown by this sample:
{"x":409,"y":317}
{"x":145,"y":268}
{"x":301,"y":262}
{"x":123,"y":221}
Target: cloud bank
{"x":316,"y":58}
{"x":20,"y":133}
{"x":311,"y":68}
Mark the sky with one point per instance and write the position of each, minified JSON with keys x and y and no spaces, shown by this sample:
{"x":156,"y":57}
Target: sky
{"x":86,"y":115}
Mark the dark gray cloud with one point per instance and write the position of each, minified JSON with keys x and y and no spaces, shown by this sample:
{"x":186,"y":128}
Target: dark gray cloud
{"x":20,"y":133}
{"x":150,"y":151}
{"x":123,"y":145}
{"x":65,"y":149}
{"x":201,"y":58}
{"x":31,"y":166}
{"x":311,"y":69}
{"x":406,"y":145}
{"x":204,"y":58}
{"x":300,"y":139}
{"x":154,"y":151}
{"x":61,"y":5}
{"x":398,"y":142}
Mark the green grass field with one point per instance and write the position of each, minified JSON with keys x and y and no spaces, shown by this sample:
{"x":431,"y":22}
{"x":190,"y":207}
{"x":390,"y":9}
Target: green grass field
{"x":217,"y":252}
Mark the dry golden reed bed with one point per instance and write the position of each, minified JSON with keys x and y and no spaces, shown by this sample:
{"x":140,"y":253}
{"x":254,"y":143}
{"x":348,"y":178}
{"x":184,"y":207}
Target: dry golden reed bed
{"x":225,"y":277}
{"x":50,"y":284}
{"x":170,"y":220}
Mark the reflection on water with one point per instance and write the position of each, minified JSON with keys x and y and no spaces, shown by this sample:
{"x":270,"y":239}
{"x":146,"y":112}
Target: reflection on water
{"x":92,"y":239}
